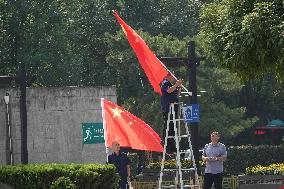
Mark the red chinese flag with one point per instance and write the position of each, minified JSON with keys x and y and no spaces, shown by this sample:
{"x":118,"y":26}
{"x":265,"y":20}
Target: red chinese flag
{"x":130,"y":131}
{"x":151,"y":65}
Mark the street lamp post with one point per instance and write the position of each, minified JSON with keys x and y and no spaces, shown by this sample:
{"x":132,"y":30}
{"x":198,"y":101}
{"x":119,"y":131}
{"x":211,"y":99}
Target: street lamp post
{"x":23,"y":114}
{"x":21,"y":79}
{"x":193,"y":62}
{"x":9,"y":142}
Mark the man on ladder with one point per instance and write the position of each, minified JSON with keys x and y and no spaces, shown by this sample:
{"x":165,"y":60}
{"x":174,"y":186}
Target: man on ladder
{"x":172,"y":111}
{"x":170,"y":93}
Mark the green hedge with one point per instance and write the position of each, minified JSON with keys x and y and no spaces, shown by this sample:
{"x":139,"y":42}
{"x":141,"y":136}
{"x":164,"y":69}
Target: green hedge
{"x":273,"y":169}
{"x":63,"y":183}
{"x":42,"y":176}
{"x":241,"y":157}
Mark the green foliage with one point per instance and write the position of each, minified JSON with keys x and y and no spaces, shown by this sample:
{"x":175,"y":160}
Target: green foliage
{"x":241,"y":157}
{"x":228,"y":121}
{"x":57,"y":41}
{"x":170,"y":164}
{"x":273,"y":169}
{"x":245,"y":36}
{"x":134,"y":162}
{"x":79,"y":43}
{"x":263,"y":98}
{"x":220,"y":105}
{"x":63,"y":183}
{"x":169,"y":17}
{"x":42,"y":176}
{"x":63,"y":43}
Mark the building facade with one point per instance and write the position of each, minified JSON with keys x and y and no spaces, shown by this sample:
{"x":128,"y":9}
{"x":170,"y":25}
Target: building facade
{"x":54,"y":119}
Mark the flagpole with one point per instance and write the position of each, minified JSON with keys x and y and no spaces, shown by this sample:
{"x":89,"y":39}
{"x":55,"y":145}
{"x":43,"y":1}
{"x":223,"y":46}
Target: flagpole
{"x":186,"y":91}
{"x":105,"y":131}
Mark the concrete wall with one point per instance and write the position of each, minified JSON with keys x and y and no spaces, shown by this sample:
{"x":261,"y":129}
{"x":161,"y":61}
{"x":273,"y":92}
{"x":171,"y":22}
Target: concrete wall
{"x":55,"y":117}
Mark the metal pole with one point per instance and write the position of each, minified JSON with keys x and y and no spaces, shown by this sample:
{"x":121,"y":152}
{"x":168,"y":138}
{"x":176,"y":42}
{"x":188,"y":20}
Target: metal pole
{"x":192,"y":64}
{"x":9,"y":144}
{"x":8,"y":160}
{"x":23,"y":115}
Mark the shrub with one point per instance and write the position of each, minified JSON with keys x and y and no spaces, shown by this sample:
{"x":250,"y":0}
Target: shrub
{"x":63,"y":183}
{"x":41,"y":176}
{"x":241,"y":157}
{"x":273,"y":169}
{"x":170,"y":164}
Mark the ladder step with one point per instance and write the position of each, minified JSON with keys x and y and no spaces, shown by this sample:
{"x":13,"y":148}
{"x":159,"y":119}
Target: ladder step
{"x":192,"y":185}
{"x":184,"y":152}
{"x":176,"y":120}
{"x":185,"y":186}
{"x":181,"y":136}
{"x":185,"y":135}
{"x":187,"y":169}
{"x":169,"y":186}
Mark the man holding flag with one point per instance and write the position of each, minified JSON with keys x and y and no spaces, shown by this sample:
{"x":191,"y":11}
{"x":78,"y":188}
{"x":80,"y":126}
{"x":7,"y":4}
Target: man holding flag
{"x":120,"y":125}
{"x":158,"y":75}
{"x":122,"y":164}
{"x":170,"y":92}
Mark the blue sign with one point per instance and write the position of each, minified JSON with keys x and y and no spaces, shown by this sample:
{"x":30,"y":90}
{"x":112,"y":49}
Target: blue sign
{"x":191,"y":113}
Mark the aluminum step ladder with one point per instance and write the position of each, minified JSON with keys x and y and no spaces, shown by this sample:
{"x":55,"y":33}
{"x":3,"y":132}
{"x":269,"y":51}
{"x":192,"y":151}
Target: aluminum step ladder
{"x":179,"y":171}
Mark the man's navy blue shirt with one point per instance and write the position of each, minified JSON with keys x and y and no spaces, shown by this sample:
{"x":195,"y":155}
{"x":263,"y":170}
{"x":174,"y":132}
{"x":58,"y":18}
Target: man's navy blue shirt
{"x":120,"y":162}
{"x":167,"y":98}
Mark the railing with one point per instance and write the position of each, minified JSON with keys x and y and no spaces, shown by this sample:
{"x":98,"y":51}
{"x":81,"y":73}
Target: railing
{"x":228,"y":183}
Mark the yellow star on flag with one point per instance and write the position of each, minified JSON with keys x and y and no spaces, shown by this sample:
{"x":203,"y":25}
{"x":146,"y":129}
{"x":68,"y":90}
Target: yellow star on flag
{"x":130,"y":123}
{"x":116,"y":112}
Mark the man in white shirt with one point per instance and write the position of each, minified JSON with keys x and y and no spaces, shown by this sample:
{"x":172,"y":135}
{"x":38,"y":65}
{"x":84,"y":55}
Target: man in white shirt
{"x":214,"y":155}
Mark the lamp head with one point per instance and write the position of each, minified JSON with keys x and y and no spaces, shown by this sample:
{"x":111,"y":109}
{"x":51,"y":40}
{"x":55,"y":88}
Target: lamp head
{"x":7,"y":98}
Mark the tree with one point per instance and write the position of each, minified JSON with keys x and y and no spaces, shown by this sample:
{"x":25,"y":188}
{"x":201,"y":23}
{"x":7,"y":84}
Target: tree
{"x":220,"y":106}
{"x":167,"y":17}
{"x":59,"y":42}
{"x":264,"y":98}
{"x":63,"y":43}
{"x":245,"y":36}
{"x":35,"y":34}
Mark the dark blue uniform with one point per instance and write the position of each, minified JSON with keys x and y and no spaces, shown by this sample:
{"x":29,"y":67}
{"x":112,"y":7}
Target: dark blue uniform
{"x":120,"y":162}
{"x":166,"y":99}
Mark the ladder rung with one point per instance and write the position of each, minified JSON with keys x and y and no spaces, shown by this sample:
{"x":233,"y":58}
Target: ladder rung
{"x":176,"y":119}
{"x":169,"y":186}
{"x":192,"y":185}
{"x":187,"y":169}
{"x":177,"y":103}
{"x":185,"y":186}
{"x":184,"y":135}
{"x":181,"y":136}
{"x":171,"y":136}
{"x":182,"y":152}
{"x":170,"y":169}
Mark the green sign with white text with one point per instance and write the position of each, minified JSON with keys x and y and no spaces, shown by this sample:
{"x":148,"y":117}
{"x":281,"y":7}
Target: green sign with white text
{"x":93,"y":133}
